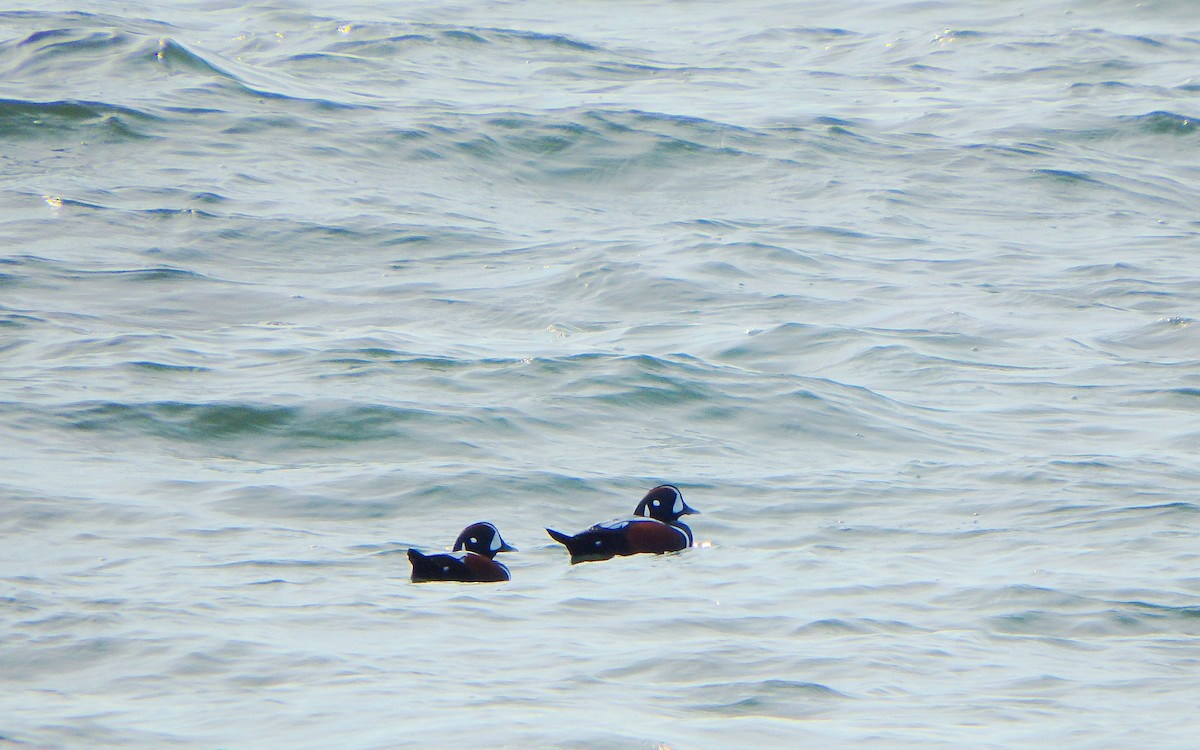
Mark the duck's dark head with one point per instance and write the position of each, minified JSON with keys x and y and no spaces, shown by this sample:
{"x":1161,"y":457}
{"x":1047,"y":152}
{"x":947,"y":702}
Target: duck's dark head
{"x":664,"y":503}
{"x":482,"y":538}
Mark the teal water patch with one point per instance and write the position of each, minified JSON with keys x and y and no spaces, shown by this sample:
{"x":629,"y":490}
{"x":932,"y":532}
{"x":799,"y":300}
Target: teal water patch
{"x":1167,"y":123}
{"x":203,"y":422}
{"x":73,"y":119}
{"x":168,"y":368}
{"x":779,"y":698}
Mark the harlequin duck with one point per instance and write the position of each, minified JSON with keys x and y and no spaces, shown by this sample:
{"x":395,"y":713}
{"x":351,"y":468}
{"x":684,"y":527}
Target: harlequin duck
{"x":481,"y":541}
{"x":656,"y":529}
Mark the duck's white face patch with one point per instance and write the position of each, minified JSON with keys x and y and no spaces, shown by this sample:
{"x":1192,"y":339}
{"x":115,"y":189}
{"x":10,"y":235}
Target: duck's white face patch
{"x":678,"y":504}
{"x":495,"y":545}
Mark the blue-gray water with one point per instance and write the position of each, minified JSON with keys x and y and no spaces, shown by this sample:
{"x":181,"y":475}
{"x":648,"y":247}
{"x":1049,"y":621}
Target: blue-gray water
{"x":903,"y":295}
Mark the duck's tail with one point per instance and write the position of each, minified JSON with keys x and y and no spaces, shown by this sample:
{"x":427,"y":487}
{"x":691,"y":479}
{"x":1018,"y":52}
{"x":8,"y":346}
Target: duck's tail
{"x":423,"y":569}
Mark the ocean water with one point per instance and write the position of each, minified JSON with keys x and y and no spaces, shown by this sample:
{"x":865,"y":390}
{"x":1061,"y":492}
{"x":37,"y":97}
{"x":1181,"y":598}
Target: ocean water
{"x":902,"y":295}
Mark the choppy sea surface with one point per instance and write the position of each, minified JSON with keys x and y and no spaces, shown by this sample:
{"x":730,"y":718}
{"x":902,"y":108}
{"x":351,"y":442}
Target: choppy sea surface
{"x":902,"y":295}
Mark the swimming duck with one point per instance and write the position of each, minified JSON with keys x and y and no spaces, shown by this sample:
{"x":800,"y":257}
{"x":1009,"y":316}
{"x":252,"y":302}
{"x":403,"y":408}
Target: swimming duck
{"x":479,"y":542}
{"x":656,"y":528}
